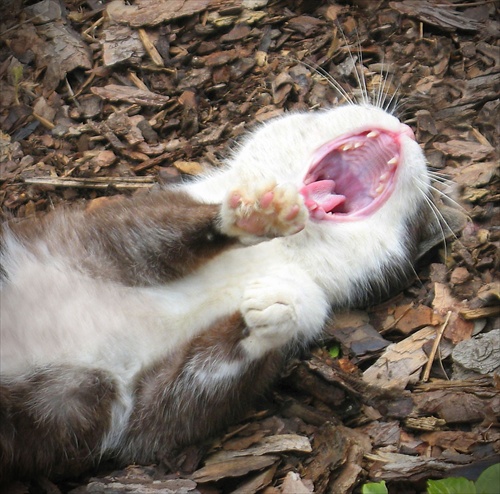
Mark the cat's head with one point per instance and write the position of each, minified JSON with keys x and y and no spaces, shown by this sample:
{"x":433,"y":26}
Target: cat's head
{"x":365,"y":182}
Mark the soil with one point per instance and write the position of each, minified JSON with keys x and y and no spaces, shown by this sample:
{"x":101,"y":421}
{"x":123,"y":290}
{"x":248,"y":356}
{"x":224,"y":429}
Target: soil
{"x":99,"y":99}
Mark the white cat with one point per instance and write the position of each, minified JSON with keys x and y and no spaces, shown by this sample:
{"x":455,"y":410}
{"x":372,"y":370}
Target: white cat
{"x":142,"y":326}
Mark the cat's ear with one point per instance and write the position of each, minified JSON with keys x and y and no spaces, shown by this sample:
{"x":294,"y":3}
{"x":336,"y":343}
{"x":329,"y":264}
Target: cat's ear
{"x":444,"y":223}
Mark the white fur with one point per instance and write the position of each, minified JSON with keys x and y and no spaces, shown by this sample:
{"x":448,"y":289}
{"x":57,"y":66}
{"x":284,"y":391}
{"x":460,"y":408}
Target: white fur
{"x":283,"y":287}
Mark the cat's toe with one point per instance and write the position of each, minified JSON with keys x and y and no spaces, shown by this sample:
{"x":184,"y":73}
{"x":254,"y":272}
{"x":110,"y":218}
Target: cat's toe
{"x":269,"y":211}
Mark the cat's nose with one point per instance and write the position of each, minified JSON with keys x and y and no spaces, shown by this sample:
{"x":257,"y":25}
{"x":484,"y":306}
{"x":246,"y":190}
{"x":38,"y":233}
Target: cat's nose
{"x":406,"y":130}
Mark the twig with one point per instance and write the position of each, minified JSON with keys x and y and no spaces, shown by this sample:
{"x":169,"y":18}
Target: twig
{"x":470,"y":4}
{"x":127,"y":183}
{"x":395,"y":322}
{"x":46,"y":123}
{"x":152,"y":162}
{"x":435,"y":347}
{"x":150,"y":48}
{"x":16,"y":26}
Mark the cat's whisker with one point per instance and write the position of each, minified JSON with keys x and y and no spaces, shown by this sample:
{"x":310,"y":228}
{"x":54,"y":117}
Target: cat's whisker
{"x":329,"y":78}
{"x":382,"y":93}
{"x":393,"y":103}
{"x":381,"y":89}
{"x":358,"y":73}
{"x":440,"y":220}
{"x":438,"y":177}
{"x":449,"y":199}
{"x":412,"y":269}
{"x":361,"y":75}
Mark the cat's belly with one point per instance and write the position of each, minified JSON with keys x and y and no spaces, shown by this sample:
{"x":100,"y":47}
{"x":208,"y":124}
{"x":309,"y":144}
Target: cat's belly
{"x":53,"y":314}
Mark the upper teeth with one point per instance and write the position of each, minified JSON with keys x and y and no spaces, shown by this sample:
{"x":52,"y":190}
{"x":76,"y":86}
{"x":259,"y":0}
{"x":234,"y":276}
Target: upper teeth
{"x":347,"y":146}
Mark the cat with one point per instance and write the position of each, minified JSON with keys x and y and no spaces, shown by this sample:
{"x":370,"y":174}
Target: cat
{"x":137,"y":328}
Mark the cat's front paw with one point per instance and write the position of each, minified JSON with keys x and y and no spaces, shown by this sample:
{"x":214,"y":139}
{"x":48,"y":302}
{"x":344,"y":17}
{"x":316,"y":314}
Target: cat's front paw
{"x":270,"y":316}
{"x":267,"y":211}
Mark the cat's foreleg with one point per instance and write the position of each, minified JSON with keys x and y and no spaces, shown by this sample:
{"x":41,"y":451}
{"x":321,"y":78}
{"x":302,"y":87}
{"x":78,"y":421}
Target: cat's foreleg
{"x":264,"y":210}
{"x":284,"y":308}
{"x":285,"y":305}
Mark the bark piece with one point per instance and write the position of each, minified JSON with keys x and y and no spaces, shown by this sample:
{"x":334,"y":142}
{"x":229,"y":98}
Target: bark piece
{"x":473,"y":150}
{"x":480,"y":354}
{"x":272,"y":444}
{"x":153,"y":12}
{"x":257,"y":482}
{"x":142,"y":97}
{"x":360,"y":340}
{"x":410,"y":318}
{"x":236,"y":467}
{"x":121,"y":44}
{"x":293,"y":483}
{"x":399,"y":363}
{"x":395,"y":466}
{"x":445,"y":18}
{"x":61,"y":51}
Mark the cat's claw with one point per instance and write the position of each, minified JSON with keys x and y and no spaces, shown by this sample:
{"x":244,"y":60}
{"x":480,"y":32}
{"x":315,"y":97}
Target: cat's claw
{"x":267,"y":211}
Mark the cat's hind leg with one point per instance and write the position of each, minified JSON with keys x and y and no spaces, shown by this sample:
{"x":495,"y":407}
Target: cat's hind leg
{"x":195,"y":392}
{"x":52,"y":421}
{"x":217,"y":376}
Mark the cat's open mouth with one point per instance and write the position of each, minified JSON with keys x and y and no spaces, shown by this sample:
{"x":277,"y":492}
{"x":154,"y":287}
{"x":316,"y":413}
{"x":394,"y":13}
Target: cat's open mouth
{"x":353,"y":175}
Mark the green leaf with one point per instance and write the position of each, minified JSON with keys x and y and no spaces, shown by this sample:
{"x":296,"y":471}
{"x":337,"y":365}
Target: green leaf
{"x":375,"y":488}
{"x":334,"y":350}
{"x":453,"y":485}
{"x":489,"y":481}
{"x":17,"y":73}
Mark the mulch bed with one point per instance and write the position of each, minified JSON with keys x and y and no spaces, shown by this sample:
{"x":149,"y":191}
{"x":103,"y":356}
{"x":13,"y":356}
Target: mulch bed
{"x":106,"y":98}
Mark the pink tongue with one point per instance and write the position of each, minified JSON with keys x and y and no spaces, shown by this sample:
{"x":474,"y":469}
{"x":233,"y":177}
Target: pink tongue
{"x":320,"y":197}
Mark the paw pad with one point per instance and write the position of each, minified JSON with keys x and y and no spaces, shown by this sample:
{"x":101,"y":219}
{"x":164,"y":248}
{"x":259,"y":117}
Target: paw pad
{"x":270,"y":211}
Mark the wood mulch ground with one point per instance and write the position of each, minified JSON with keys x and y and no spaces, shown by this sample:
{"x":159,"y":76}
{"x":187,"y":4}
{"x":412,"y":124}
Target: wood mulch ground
{"x":105,"y":98}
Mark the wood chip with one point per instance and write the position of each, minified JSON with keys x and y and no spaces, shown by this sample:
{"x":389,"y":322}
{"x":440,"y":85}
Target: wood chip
{"x":141,"y":97}
{"x":236,"y":467}
{"x":271,"y":444}
{"x":153,"y":12}
{"x":400,"y":361}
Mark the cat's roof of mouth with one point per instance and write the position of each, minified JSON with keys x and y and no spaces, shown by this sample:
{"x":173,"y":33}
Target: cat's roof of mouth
{"x":353,"y":175}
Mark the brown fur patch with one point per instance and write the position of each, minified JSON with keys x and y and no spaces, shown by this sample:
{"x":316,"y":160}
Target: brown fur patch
{"x":173,"y":409}
{"x":143,"y":240}
{"x":52,"y":421}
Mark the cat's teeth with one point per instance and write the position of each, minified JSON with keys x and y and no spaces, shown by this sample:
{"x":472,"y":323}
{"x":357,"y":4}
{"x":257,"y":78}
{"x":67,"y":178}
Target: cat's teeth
{"x":379,"y":189}
{"x":384,"y":176}
{"x":393,"y":161}
{"x":372,"y":134}
{"x":351,"y":145}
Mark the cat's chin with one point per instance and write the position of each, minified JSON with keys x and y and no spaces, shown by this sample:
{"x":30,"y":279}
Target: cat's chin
{"x":352,"y":176}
